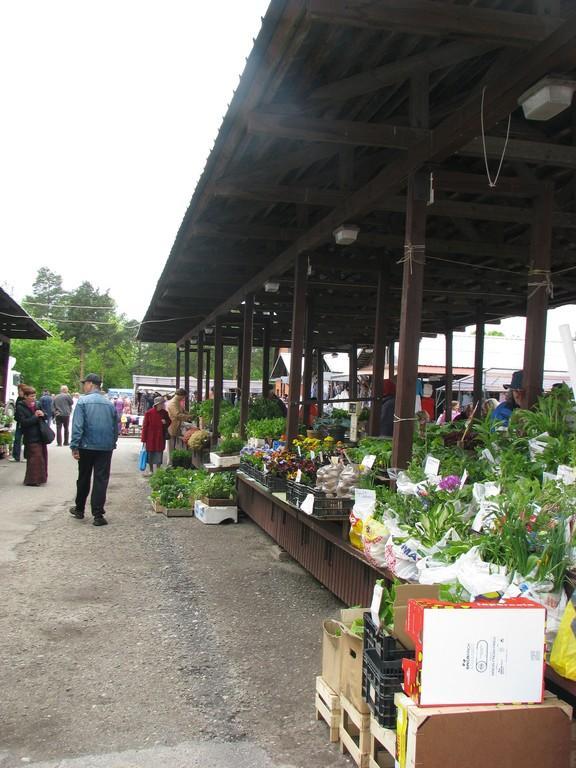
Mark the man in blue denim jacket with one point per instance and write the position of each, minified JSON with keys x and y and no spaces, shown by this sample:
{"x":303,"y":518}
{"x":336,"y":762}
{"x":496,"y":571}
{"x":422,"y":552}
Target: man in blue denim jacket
{"x":94,"y":437}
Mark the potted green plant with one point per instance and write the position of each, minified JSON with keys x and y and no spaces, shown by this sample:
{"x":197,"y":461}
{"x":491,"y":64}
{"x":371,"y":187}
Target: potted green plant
{"x":182,"y":458}
{"x":218,"y":489}
{"x":227,"y":454}
{"x":334,"y":424}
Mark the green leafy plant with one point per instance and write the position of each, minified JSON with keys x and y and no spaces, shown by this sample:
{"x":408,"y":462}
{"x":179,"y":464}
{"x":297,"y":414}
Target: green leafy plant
{"x":181,"y":458}
{"x":262,"y":408}
{"x":220,"y":485}
{"x":229,"y":423}
{"x":272,"y":429}
{"x":230,"y":446}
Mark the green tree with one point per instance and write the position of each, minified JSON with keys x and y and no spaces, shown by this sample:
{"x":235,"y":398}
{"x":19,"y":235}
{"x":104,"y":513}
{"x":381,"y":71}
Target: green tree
{"x":87,"y":323}
{"x":48,"y":297}
{"x":47,"y":364}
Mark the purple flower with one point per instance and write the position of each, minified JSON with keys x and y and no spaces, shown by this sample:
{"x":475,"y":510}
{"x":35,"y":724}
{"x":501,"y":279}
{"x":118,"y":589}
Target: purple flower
{"x":449,"y":483}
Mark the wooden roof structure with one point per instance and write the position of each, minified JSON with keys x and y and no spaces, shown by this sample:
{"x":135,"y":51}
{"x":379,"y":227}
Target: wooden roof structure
{"x":16,"y":323}
{"x":340,"y":102}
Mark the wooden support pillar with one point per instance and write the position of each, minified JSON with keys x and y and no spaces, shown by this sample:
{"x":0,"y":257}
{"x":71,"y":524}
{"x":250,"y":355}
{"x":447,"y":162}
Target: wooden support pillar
{"x":267,"y":332}
{"x":539,"y":287}
{"x":308,"y":359}
{"x":298,"y":322}
{"x":410,"y":321}
{"x":479,"y":362}
{"x":187,"y":371}
{"x":379,"y":355}
{"x":207,"y":390}
{"x":199,"y":366}
{"x":218,"y":380}
{"x":391,"y":361}
{"x":449,"y":337}
{"x":4,"y":368}
{"x":353,"y":374}
{"x":320,"y":380}
{"x":239,"y":364}
{"x":246,"y":361}
{"x":177,"y":367}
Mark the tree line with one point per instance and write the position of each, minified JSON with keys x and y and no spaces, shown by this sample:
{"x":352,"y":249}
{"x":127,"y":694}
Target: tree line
{"x":89,"y":334}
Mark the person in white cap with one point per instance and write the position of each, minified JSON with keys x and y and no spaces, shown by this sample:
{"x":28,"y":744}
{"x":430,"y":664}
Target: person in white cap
{"x":155,"y":432}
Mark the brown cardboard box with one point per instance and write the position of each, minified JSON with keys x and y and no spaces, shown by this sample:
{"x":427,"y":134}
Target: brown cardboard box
{"x":522,"y":735}
{"x":331,"y":651}
{"x":351,"y":661}
{"x":405,"y":592}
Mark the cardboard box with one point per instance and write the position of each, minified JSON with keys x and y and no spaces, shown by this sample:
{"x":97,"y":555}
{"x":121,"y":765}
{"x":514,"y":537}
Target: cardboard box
{"x":522,"y":735}
{"x":331,"y":650}
{"x":351,"y":661}
{"x":476,"y":653}
{"x":405,"y":593}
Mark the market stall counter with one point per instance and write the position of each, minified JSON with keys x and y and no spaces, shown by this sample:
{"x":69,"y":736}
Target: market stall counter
{"x":319,"y":546}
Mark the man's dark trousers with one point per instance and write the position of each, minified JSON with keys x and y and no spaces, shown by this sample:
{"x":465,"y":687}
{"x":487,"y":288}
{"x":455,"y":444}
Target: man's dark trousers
{"x":97,"y":462}
{"x":62,"y":422}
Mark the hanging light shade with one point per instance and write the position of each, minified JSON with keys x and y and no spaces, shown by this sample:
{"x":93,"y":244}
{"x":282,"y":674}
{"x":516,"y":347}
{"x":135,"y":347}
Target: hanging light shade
{"x":346,"y":234}
{"x":547,"y":98}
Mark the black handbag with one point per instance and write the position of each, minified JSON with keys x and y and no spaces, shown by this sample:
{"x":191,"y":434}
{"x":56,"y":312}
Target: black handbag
{"x":46,"y":434}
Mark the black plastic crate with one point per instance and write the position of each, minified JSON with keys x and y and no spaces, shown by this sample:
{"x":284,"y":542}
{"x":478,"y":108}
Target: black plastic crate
{"x":387,"y":648}
{"x":275,"y":484}
{"x":246,"y":468}
{"x":258,"y":475}
{"x":324,"y":506}
{"x":381,"y":680}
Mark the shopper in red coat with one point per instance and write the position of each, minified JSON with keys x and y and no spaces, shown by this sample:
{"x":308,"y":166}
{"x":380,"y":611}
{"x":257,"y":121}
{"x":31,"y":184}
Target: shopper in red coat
{"x":155,"y":432}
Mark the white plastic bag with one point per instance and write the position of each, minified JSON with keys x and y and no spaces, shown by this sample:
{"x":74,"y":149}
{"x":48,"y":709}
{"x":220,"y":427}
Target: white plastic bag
{"x":478,"y":577}
{"x":401,"y":559}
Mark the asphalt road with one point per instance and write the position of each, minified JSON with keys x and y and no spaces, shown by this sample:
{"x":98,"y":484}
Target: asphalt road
{"x":152,"y":641}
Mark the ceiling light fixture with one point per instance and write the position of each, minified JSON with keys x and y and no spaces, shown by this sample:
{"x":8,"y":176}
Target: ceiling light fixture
{"x":346,"y":234}
{"x":547,"y":98}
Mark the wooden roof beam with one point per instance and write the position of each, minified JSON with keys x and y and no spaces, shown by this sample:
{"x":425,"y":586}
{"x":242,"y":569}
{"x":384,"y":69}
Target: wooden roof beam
{"x":397,"y":71}
{"x":269,"y":193}
{"x":504,"y":84}
{"x":385,"y":136}
{"x":426,"y":17}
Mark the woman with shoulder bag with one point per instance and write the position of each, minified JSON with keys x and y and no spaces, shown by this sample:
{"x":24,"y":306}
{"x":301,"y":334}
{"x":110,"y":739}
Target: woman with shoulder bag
{"x":30,"y":419}
{"x":155,"y":432}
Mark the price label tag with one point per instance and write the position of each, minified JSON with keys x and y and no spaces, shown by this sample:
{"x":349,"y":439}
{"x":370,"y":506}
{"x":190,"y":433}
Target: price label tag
{"x":307,"y":505}
{"x":376,"y":603}
{"x":368,"y":460}
{"x":487,"y":454}
{"x":364,"y":494}
{"x":432,"y":466}
{"x":299,"y":451}
{"x":312,"y":455}
{"x":463,"y":478}
{"x":566,"y":474}
{"x":321,"y":455}
{"x":299,"y":476}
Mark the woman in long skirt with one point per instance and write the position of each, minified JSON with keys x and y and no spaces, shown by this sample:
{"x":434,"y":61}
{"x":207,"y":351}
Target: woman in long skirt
{"x":35,"y":451}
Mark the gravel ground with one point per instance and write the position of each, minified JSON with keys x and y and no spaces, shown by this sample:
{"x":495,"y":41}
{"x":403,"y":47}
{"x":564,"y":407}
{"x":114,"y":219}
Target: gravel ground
{"x":153,"y":641}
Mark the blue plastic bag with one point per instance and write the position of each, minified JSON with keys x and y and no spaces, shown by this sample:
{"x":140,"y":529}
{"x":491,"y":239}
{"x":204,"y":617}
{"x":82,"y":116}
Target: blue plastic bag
{"x":143,"y":459}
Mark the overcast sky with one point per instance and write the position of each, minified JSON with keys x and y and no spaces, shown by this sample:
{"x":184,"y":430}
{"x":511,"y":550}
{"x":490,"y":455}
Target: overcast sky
{"x":109,"y":111}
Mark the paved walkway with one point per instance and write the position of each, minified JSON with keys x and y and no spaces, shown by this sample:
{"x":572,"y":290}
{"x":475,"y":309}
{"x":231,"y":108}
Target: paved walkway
{"x":150,"y":642}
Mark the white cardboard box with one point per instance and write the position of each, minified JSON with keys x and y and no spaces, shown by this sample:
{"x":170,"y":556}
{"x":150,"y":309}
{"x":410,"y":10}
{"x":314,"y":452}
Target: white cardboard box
{"x":214,"y":515}
{"x":482,"y":656}
{"x":224,"y":461}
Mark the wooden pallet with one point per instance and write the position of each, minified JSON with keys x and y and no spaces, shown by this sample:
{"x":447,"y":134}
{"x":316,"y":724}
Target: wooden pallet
{"x":354,"y":733}
{"x":328,"y":708}
{"x":382,"y":745}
